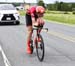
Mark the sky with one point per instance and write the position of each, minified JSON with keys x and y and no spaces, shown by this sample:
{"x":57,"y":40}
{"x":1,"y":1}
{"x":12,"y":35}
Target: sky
{"x":34,"y":1}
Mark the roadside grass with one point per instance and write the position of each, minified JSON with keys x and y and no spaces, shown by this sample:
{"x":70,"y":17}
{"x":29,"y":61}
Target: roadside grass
{"x":58,"y":12}
{"x":22,"y":12}
{"x":63,"y":18}
{"x":57,"y":16}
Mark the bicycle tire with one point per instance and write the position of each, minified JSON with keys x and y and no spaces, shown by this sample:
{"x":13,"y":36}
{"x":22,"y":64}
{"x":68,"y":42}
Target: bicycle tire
{"x":41,"y":48}
{"x":31,"y":46}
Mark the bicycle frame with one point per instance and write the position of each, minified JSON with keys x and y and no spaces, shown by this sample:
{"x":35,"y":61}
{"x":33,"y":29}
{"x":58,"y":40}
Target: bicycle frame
{"x":36,"y":43}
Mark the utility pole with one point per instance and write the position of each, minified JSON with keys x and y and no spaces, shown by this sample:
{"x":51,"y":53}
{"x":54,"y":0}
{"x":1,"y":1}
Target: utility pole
{"x":24,"y":4}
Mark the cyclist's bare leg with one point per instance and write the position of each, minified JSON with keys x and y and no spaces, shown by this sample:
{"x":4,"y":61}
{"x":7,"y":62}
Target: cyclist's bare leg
{"x":29,"y":34}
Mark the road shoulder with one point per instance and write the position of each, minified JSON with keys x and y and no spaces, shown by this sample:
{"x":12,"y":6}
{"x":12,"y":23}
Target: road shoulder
{"x":71,"y":25}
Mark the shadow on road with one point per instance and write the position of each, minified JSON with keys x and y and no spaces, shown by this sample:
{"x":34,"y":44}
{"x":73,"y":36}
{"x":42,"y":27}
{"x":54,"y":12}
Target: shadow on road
{"x":11,"y":24}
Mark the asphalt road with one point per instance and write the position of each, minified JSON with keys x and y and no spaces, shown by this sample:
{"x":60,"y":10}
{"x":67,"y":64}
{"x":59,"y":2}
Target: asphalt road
{"x":59,"y":46}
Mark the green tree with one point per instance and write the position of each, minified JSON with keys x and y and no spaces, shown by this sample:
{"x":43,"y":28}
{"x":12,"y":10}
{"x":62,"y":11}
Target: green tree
{"x":41,"y":3}
{"x":60,"y":6}
{"x":56,"y":5}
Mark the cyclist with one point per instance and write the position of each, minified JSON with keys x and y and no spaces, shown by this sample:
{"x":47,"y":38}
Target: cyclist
{"x":33,"y":17}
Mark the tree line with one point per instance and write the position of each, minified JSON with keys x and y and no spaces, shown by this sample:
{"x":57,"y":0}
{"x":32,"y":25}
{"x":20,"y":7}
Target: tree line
{"x":58,"y":6}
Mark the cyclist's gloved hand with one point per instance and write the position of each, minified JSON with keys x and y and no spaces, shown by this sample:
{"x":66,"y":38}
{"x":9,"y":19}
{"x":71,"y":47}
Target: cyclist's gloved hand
{"x":40,"y":21}
{"x":35,"y":24}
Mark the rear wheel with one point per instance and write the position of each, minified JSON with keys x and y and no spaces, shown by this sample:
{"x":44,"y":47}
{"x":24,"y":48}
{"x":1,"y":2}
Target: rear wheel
{"x":40,"y":48}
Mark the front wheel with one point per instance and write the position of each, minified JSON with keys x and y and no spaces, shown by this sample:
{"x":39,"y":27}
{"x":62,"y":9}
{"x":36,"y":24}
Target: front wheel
{"x":16,"y":22}
{"x":31,"y":46}
{"x":40,"y":48}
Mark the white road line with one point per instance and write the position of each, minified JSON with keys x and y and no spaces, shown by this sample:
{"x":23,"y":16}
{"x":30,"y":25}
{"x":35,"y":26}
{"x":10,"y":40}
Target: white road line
{"x":6,"y":62}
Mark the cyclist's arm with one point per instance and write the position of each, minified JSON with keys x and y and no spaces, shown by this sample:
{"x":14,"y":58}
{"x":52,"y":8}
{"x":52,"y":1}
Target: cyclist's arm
{"x":33,"y":19}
